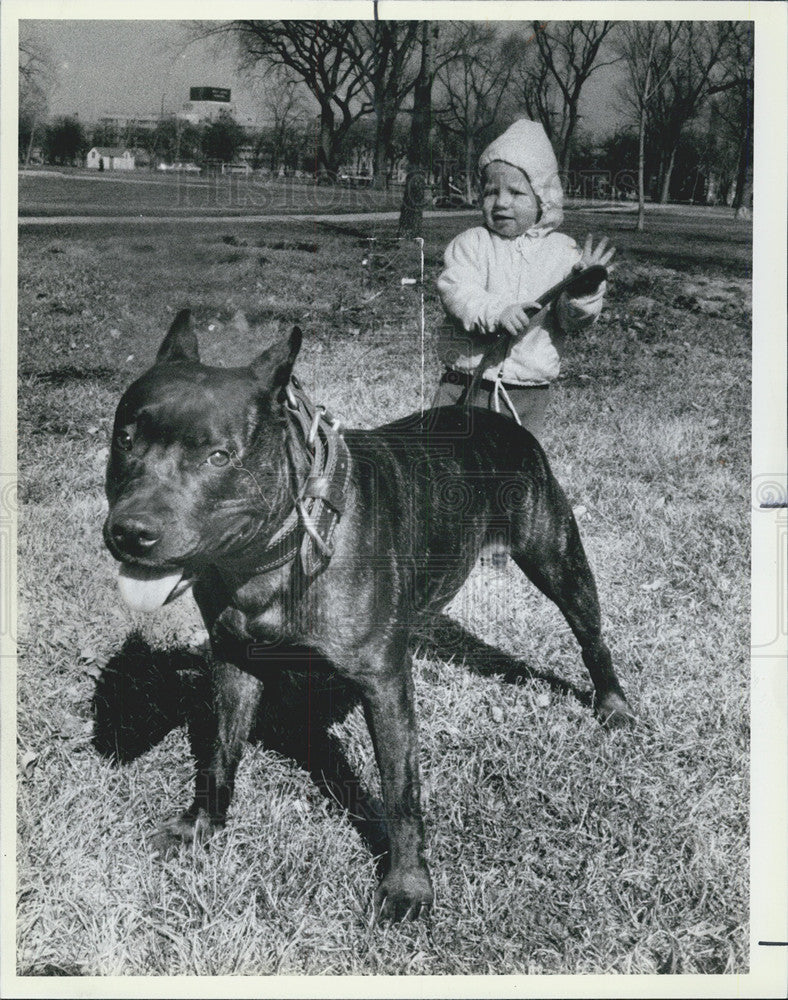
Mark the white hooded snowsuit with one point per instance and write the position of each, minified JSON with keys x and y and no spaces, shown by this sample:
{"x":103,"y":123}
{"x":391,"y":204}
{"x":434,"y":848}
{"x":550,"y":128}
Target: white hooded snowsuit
{"x":485,"y":272}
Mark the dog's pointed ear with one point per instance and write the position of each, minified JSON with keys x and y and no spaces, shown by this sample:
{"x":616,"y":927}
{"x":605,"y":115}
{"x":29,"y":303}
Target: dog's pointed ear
{"x":274,"y":365}
{"x":180,"y":344}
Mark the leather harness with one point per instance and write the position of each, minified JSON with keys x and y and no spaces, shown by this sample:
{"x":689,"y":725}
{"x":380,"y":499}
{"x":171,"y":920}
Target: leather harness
{"x":309,"y":528}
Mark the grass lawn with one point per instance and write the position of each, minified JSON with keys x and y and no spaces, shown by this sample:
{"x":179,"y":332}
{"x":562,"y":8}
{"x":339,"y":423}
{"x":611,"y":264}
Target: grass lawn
{"x":554,"y":846}
{"x":74,"y":192}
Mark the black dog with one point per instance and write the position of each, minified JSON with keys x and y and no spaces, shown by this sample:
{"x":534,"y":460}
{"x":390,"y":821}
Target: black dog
{"x":305,"y":546}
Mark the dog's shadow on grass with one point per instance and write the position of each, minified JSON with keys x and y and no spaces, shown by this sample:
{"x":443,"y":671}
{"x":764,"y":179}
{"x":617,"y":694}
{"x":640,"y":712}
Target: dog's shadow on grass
{"x":446,"y":639}
{"x":143,"y":693}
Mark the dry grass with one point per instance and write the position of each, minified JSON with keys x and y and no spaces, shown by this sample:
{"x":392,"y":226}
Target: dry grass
{"x":554,"y":847}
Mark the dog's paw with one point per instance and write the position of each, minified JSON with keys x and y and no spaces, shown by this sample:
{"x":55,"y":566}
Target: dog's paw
{"x":614,"y":713}
{"x":404,"y":895}
{"x":188,"y":828}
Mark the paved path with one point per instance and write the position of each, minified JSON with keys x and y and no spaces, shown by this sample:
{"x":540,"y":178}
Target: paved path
{"x":604,"y":208}
{"x":96,"y":220}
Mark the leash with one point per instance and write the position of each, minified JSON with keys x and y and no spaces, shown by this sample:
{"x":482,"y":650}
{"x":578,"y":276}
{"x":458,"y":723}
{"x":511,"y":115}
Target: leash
{"x":577,"y":284}
{"x":309,"y":528}
{"x":500,"y":390}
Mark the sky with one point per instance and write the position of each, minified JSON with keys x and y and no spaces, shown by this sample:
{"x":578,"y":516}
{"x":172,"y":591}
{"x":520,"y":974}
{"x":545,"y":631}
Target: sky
{"x":133,"y":67}
{"x":138,"y":67}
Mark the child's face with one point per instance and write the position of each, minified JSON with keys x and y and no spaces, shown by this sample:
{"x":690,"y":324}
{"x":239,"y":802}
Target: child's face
{"x":509,"y":205}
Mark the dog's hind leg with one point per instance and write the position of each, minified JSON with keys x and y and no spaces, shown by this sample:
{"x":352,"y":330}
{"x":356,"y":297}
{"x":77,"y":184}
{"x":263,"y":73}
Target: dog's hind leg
{"x":551,"y":555}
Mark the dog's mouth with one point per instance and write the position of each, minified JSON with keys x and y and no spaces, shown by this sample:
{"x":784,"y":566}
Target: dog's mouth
{"x":145,"y":588}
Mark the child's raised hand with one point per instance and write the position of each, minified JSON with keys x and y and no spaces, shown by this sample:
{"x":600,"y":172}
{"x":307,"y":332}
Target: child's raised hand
{"x":516,"y":317}
{"x":602,"y":254}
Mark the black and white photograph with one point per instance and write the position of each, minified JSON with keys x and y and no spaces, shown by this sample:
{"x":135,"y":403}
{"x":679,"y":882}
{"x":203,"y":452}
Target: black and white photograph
{"x":394,"y":509}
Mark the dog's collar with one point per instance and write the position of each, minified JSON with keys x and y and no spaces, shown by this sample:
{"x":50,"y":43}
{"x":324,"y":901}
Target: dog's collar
{"x":320,"y":501}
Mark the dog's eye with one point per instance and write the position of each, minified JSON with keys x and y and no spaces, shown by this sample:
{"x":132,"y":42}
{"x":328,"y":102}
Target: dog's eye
{"x":124,"y":440}
{"x":219,"y":458}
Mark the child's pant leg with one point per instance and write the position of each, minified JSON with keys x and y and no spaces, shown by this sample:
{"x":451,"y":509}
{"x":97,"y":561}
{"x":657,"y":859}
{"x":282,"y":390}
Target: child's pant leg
{"x":530,"y":402}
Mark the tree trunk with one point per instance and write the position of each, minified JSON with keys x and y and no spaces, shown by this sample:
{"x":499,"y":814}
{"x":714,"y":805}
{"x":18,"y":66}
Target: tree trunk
{"x":743,"y":174}
{"x":665,"y":192}
{"x":384,"y":129}
{"x":326,"y":139}
{"x":379,"y":173}
{"x":469,"y":169}
{"x":566,"y":145}
{"x":32,"y":137}
{"x":414,"y":195}
{"x":644,"y":99}
{"x":379,"y":161}
{"x":641,"y":170}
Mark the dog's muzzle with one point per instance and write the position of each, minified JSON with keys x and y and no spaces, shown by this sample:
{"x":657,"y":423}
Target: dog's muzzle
{"x":143,"y":588}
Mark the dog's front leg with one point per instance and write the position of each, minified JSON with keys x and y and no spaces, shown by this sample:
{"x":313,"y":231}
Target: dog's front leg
{"x":218,"y":732}
{"x":387,"y":693}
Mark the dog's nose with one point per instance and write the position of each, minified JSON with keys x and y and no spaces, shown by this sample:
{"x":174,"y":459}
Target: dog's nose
{"x":134,"y":536}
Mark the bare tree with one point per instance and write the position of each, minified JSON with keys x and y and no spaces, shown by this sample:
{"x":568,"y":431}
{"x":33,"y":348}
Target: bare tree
{"x":36,"y":81}
{"x":693,"y":53}
{"x":473,"y":84}
{"x":414,"y":195}
{"x":323,"y":54}
{"x":286,"y":111}
{"x":553,"y":72}
{"x":351,"y":68}
{"x":384,"y":54}
{"x":647,"y":61}
{"x":536,"y":84}
{"x":737,"y":106}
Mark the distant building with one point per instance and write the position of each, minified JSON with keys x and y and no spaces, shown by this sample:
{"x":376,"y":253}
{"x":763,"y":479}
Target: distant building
{"x":206,"y":104}
{"x":128,"y":125}
{"x":110,"y":158}
{"x":219,"y":95}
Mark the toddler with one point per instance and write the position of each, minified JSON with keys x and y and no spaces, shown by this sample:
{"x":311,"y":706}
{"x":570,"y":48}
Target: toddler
{"x":493,"y":273}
